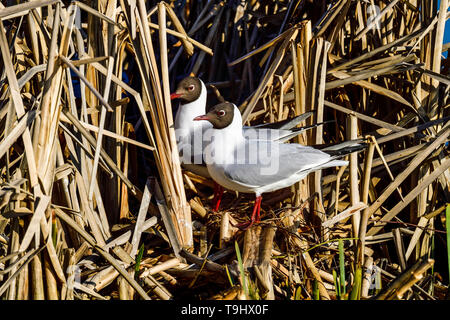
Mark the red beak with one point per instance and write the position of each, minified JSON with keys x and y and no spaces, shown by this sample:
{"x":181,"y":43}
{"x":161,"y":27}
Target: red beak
{"x":203,"y":117}
{"x":174,"y":95}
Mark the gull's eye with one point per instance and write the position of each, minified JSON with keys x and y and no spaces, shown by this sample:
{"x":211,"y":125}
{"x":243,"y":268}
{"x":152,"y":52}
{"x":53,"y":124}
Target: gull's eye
{"x":191,"y":87}
{"x":221,"y":113}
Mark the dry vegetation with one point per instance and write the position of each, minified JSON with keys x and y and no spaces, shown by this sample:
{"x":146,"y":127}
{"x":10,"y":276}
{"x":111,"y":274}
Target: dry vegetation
{"x":94,"y":204}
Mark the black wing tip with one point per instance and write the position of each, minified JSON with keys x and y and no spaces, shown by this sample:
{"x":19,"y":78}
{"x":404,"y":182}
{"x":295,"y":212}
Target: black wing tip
{"x":347,"y":150}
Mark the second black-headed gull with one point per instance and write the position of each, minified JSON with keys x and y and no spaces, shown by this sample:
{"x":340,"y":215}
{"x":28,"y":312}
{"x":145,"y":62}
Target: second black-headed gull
{"x":255,"y":166}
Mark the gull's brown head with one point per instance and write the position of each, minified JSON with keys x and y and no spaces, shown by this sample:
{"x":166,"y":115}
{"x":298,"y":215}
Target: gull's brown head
{"x":220,"y":116}
{"x":188,"y":90}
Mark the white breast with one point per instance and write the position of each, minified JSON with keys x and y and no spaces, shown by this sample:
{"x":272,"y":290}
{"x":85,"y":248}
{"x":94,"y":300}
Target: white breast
{"x":189,"y":133}
{"x":221,"y":151}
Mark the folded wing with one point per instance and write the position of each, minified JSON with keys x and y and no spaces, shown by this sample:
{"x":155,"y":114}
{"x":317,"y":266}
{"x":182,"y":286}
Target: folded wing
{"x":261,"y":163}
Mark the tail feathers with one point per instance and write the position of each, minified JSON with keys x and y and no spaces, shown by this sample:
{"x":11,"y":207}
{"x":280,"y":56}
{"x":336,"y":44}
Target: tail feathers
{"x":342,"y":145}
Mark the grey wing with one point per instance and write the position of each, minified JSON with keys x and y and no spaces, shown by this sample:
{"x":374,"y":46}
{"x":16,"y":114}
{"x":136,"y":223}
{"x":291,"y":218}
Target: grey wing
{"x":264,"y":163}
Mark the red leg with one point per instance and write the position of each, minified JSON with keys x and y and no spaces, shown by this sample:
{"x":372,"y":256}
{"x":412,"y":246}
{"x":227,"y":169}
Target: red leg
{"x":255,"y":215}
{"x":258,"y":201}
{"x":218,"y":192}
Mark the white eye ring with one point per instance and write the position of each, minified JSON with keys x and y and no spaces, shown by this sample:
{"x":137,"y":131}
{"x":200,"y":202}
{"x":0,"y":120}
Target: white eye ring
{"x":221,"y":113}
{"x":191,"y":87}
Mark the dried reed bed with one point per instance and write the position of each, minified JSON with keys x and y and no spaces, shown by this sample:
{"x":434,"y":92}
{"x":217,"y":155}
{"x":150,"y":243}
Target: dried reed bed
{"x":94,"y":204}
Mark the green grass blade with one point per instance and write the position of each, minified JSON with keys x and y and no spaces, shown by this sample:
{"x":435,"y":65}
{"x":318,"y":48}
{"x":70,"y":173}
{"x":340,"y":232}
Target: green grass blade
{"x":342,"y":267}
{"x":355,"y":294}
{"x":316,"y":295}
{"x":139,"y":259}
{"x":298,"y":293}
{"x":337,"y":286}
{"x":241,"y":268}
{"x":229,"y":275}
{"x":253,"y":291}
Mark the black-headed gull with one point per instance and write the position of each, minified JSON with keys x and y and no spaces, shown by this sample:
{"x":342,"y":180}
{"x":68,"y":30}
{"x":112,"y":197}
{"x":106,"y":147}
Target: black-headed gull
{"x":192,"y":137}
{"x":255,"y":166}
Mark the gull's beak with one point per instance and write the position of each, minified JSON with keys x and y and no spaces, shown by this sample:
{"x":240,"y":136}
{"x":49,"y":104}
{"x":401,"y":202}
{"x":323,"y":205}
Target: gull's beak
{"x":175,"y":95}
{"x":203,"y":117}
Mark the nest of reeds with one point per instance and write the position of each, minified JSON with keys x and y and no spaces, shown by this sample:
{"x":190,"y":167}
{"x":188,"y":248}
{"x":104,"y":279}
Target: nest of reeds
{"x":95,"y":205}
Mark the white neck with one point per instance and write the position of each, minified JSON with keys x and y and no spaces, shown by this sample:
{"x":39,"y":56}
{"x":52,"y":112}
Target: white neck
{"x":235,"y":128}
{"x":189,"y":133}
{"x":225,"y":141}
{"x":186,"y":113}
